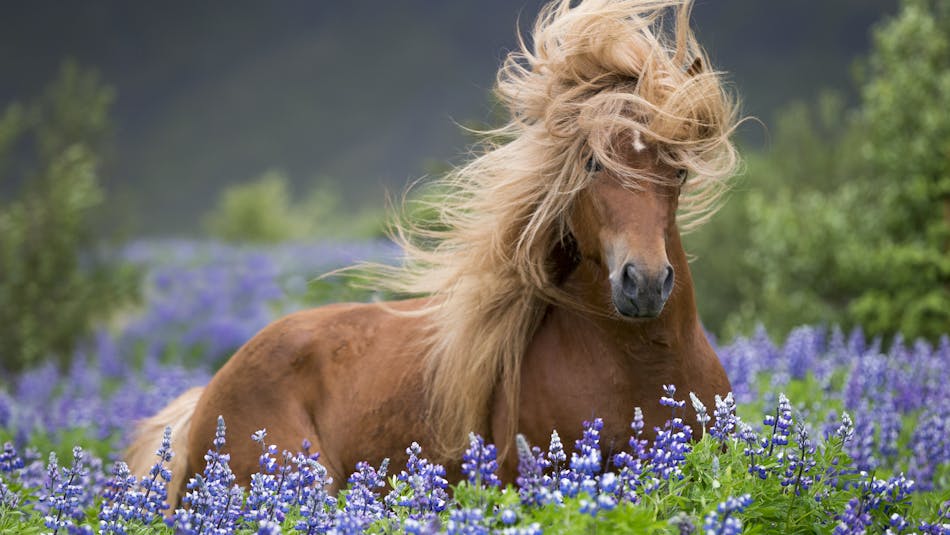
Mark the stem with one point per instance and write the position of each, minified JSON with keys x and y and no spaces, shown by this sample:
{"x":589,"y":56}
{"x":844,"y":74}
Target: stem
{"x":774,"y":429}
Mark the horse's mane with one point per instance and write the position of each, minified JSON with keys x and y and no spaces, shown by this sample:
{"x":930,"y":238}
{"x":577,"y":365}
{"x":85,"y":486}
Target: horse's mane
{"x":596,"y":70}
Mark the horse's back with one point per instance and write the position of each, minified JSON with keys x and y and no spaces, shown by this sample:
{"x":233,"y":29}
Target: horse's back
{"x":343,"y":377}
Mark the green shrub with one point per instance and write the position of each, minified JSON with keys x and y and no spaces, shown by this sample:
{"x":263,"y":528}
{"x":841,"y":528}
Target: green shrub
{"x":54,"y":284}
{"x":847,"y":219}
{"x":263,"y":211}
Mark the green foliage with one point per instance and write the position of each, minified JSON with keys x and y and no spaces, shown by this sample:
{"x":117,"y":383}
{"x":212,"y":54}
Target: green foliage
{"x":847,"y":218}
{"x":263,"y":211}
{"x":53,"y":283}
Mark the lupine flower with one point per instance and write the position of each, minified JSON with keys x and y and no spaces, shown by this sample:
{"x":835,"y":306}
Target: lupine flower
{"x":669,"y":451}
{"x":315,"y":502}
{"x":213,"y":500}
{"x":556,"y":454}
{"x":780,"y":422}
{"x":422,"y":488}
{"x":854,"y":518}
{"x":669,"y":401}
{"x":8,"y":498}
{"x":753,"y":450}
{"x":585,"y":462}
{"x":64,"y":498}
{"x":118,"y":501}
{"x":479,"y":463}
{"x":726,"y":418}
{"x":362,"y":504}
{"x":534,"y":487}
{"x":466,"y":522}
{"x":9,"y":459}
{"x":154,"y":490}
{"x":799,"y":463}
{"x":724,"y":520}
{"x":702,"y":418}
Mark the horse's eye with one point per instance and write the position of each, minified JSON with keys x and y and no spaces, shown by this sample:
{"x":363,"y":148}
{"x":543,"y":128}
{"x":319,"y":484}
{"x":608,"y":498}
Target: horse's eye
{"x":593,"y":165}
{"x":682,"y":175}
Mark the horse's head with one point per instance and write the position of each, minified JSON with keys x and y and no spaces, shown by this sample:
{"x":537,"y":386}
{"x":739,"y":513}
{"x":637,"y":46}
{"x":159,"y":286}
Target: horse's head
{"x":624,"y":227}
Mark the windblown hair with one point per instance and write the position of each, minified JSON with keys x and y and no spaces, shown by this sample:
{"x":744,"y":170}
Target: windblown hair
{"x":597,"y":70}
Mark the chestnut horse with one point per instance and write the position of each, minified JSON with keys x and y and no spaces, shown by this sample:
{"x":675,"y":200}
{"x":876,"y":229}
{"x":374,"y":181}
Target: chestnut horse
{"x":553,"y":288}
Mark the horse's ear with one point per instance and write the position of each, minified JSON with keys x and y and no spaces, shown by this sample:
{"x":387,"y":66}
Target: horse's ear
{"x":696,"y":67}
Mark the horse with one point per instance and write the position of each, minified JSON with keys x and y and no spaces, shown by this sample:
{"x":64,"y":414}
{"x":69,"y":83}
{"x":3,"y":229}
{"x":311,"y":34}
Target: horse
{"x":551,"y":287}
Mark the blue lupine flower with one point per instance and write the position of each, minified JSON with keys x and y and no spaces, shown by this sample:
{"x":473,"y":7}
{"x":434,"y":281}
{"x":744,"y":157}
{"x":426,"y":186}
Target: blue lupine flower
{"x":362,"y":506}
{"x":8,"y":498}
{"x":119,"y":501}
{"x":466,"y":522}
{"x":669,"y":401}
{"x":726,"y":419}
{"x":154,"y":490}
{"x":780,"y":422}
{"x":534,"y":487}
{"x":702,"y":417}
{"x":854,"y":518}
{"x":65,"y":493}
{"x":214,"y":501}
{"x":315,"y":502}
{"x":479,"y":463}
{"x":668,"y":452}
{"x":556,"y":454}
{"x":753,"y":450}
{"x":422,"y":488}
{"x":799,"y":463}
{"x":9,"y":459}
{"x":723,"y":521}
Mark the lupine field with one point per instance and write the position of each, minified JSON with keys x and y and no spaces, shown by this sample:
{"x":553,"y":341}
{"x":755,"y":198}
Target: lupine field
{"x":826,"y":432}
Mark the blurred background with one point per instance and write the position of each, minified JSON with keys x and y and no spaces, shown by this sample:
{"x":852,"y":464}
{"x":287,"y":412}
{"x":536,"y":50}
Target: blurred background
{"x":142,"y":135}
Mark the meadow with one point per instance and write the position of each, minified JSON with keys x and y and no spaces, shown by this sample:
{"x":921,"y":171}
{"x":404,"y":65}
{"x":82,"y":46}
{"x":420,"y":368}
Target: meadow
{"x":826,"y":431}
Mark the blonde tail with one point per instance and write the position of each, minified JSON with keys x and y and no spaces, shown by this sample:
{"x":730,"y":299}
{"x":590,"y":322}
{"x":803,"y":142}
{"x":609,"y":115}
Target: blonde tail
{"x":140,"y":456}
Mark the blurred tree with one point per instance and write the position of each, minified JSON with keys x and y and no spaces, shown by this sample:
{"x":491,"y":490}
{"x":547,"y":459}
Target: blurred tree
{"x":850,"y":218}
{"x":906,"y":124}
{"x":262,"y":211}
{"x":53,"y":282}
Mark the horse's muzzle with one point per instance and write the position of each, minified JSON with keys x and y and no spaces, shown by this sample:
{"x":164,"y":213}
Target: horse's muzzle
{"x":637,"y":294}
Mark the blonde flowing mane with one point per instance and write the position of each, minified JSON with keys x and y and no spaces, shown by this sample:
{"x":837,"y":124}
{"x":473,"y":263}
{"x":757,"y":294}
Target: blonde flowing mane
{"x":594,"y":71}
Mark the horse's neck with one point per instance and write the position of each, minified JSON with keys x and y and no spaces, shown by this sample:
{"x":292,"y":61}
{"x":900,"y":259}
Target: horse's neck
{"x":675,"y":328}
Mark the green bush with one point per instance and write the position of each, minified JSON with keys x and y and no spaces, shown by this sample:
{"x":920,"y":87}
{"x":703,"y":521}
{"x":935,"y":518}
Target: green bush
{"x":54,"y":284}
{"x":263,"y":211}
{"x":847,"y":219}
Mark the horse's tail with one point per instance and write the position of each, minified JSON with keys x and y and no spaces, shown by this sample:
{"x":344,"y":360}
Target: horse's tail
{"x":140,"y":456}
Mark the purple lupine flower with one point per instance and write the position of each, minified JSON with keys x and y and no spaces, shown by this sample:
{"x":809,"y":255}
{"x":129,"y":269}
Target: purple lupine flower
{"x":726,"y":419}
{"x":585,"y":462}
{"x":669,"y":401}
{"x":753,"y":450}
{"x":422,"y":487}
{"x":854,"y":519}
{"x":65,"y":494}
{"x":118,"y":504}
{"x":272,"y":492}
{"x":315,"y":502}
{"x":702,"y":417}
{"x":154,"y":489}
{"x":507,"y":516}
{"x":780,"y":422}
{"x":668,"y":452}
{"x":723,"y":521}
{"x":213,"y":500}
{"x":556,"y":455}
{"x":8,"y":498}
{"x":930,"y":444}
{"x":631,"y":464}
{"x":799,"y":463}
{"x":466,"y":522}
{"x":480,"y":463}
{"x":362,"y":506}
{"x":534,"y":488}
{"x":9,"y":459}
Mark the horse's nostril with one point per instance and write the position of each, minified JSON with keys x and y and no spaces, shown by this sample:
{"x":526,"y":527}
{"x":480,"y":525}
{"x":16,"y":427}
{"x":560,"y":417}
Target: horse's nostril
{"x":668,"y":282}
{"x":629,"y":281}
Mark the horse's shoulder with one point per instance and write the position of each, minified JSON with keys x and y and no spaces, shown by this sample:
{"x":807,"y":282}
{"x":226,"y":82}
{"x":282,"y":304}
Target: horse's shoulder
{"x":337,"y":331}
